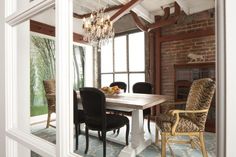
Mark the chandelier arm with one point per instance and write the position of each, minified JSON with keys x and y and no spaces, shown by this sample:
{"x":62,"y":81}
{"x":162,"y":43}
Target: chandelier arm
{"x":98,"y":28}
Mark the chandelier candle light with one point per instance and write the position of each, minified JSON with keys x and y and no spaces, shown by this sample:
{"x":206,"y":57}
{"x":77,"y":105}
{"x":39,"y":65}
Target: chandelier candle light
{"x":98,"y":28}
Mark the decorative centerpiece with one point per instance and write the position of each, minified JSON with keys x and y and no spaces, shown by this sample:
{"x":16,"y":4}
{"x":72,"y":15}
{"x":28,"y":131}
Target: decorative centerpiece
{"x":111,"y":90}
{"x":195,"y":58}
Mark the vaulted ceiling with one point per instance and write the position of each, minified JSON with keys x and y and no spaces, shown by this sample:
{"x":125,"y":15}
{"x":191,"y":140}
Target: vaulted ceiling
{"x":147,"y":9}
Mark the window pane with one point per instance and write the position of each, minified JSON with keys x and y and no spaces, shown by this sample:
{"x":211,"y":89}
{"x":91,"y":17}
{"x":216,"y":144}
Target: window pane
{"x":106,"y":58}
{"x":122,"y":78}
{"x":136,"y":52}
{"x":120,"y":54}
{"x":134,"y":78}
{"x":79,"y":66}
{"x":88,"y":67}
{"x":107,"y":79}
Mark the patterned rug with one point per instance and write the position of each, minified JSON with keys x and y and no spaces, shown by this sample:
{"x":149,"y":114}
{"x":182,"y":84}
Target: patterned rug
{"x":113,"y":149}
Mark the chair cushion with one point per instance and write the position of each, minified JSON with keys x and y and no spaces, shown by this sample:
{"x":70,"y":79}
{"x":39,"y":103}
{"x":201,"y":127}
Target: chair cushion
{"x":165,"y":123}
{"x":113,"y":122}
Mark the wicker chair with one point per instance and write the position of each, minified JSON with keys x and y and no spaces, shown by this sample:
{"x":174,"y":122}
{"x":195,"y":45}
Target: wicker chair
{"x":189,"y":122}
{"x":50,"y":90}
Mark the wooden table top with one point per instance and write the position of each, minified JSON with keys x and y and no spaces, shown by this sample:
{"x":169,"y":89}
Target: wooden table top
{"x":133,"y":101}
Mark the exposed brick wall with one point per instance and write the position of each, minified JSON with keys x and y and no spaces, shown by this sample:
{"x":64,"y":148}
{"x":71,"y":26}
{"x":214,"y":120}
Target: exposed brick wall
{"x":191,"y":23}
{"x":175,"y":52}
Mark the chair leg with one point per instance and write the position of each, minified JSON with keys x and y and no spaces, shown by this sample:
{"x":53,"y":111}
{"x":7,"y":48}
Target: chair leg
{"x":163,"y":145}
{"x":192,"y":142}
{"x":48,"y":120}
{"x":87,"y":140}
{"x":118,"y":131}
{"x":76,"y":137}
{"x":99,"y":136}
{"x":149,"y":129}
{"x":127,"y":134}
{"x":157,"y":136}
{"x":202,"y":143}
{"x":104,"y":143}
{"x":79,"y":131}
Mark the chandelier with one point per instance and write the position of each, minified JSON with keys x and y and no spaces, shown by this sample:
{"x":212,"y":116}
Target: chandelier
{"x":98,"y":28}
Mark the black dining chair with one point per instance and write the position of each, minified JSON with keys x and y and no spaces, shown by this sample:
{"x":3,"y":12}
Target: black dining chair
{"x":96,"y":118}
{"x":121,"y":85}
{"x":144,"y":88}
{"x":78,"y":119}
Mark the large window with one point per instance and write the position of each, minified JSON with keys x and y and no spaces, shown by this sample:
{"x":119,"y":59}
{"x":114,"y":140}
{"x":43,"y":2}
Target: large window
{"x":123,"y":59}
{"x":42,"y":67}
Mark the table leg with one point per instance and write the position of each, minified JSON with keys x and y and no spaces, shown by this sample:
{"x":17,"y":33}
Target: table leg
{"x":138,"y":143}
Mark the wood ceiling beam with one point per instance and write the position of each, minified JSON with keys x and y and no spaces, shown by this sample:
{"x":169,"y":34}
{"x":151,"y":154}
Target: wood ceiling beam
{"x":138,"y":22}
{"x":46,"y":29}
{"x":126,"y":8}
{"x":140,"y":10}
{"x":165,"y":20}
{"x":166,"y":13}
{"x":162,"y":23}
{"x":144,"y":13}
{"x":78,"y":16}
{"x":184,"y":6}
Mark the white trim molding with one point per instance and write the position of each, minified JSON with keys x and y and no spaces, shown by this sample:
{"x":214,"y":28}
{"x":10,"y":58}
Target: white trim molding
{"x":64,"y":79}
{"x":32,"y":142}
{"x":30,"y":10}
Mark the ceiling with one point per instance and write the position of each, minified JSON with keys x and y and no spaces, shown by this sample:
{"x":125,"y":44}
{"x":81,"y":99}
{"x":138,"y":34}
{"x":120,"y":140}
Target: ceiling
{"x":147,"y":9}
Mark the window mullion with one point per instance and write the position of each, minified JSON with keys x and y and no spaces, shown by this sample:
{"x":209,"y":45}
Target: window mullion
{"x":127,"y":53}
{"x":113,"y":57}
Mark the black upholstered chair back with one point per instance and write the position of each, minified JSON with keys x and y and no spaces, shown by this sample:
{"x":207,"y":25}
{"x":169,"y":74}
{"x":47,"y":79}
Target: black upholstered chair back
{"x":75,"y":101}
{"x":142,"y":87}
{"x":121,"y":85}
{"x":93,"y":101}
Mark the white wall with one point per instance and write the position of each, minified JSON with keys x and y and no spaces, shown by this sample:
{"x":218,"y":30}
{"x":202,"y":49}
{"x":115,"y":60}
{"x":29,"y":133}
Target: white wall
{"x":48,"y":17}
{"x":230,"y":77}
{"x":2,"y":87}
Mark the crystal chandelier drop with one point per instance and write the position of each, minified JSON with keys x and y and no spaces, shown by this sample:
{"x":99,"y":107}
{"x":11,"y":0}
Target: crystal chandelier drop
{"x":98,"y":28}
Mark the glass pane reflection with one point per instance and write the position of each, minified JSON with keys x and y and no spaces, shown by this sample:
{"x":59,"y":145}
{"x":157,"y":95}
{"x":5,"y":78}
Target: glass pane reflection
{"x":134,"y":78}
{"x":107,"y":79}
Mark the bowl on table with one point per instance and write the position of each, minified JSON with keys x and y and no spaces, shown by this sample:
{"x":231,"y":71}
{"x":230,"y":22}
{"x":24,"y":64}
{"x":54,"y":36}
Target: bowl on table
{"x":111,"y":90}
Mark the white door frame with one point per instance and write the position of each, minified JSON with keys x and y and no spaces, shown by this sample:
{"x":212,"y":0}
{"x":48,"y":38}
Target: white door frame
{"x":64,"y":42}
{"x":220,"y":78}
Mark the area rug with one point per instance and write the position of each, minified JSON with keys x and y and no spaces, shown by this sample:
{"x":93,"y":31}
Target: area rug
{"x":113,"y":149}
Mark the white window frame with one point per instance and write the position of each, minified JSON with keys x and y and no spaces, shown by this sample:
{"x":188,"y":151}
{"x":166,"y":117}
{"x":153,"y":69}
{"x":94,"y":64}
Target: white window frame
{"x":64,"y":42}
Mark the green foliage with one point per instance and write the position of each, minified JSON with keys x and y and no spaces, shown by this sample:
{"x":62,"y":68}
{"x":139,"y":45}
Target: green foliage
{"x":38,"y":110}
{"x":42,"y":67}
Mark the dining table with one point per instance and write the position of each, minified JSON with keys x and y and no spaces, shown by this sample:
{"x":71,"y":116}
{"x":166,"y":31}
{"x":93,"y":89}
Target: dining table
{"x":134,"y":103}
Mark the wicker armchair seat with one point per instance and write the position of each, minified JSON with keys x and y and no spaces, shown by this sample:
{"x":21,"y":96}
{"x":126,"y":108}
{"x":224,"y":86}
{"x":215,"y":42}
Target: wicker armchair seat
{"x":165,"y":123}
